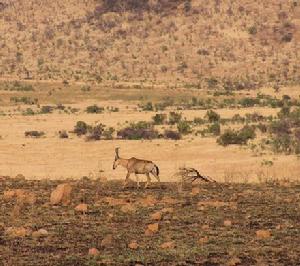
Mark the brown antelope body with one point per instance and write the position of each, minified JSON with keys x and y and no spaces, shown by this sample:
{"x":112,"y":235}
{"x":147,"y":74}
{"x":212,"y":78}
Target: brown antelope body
{"x":137,"y":166}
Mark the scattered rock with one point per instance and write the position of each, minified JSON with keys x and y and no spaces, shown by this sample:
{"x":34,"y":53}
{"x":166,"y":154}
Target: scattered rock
{"x":82,"y":207}
{"x":128,"y":208}
{"x":205,"y":227}
{"x":149,"y":201}
{"x":234,"y":261}
{"x":152,"y":229}
{"x":263,"y":234}
{"x":227,"y":223}
{"x":17,"y":232}
{"x":195,"y":191}
{"x":156,"y":216}
{"x":133,"y":245}
{"x":114,"y":202}
{"x":217,"y":204}
{"x":9,"y":194}
{"x":169,"y":200}
{"x":62,"y":194}
{"x":278,"y":227}
{"x":167,"y":210}
{"x":93,"y":252}
{"x":22,"y":196}
{"x":40,"y":233}
{"x":166,"y":245}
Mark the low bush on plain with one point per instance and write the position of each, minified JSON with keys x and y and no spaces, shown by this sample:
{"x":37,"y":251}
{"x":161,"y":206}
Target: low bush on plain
{"x":34,"y":133}
{"x":240,"y":137}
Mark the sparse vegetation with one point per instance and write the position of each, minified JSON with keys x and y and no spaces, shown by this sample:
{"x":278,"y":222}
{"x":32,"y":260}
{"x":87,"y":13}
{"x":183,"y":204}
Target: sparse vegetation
{"x":80,"y":128}
{"x":63,"y":134}
{"x":94,"y":109}
{"x":139,"y":130}
{"x":34,"y":134}
{"x":240,"y":137}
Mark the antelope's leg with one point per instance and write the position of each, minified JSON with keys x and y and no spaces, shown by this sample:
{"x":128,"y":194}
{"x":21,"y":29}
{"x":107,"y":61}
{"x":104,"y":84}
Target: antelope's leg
{"x":137,"y":180}
{"x":148,"y":180}
{"x":126,"y":180}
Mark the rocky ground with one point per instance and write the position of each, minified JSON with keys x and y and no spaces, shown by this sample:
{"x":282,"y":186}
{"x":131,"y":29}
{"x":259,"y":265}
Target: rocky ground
{"x":98,"y":223}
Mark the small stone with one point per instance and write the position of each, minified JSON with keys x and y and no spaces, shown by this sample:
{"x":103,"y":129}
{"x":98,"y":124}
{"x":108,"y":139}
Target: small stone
{"x":263,"y":234}
{"x":167,"y":210}
{"x":81,"y":208}
{"x":153,"y":227}
{"x":40,"y":233}
{"x":93,"y":252}
{"x":234,"y":261}
{"x":133,"y":245}
{"x":203,"y":240}
{"x":128,"y":208}
{"x":156,"y":216}
{"x":167,"y":245}
{"x":17,"y":232}
{"x":195,"y":191}
{"x":227,"y":223}
{"x":205,"y":227}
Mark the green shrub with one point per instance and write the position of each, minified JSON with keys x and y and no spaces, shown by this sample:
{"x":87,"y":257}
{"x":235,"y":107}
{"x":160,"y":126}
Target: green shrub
{"x":17,"y":86}
{"x":159,"y":119}
{"x":80,"y":128}
{"x":241,"y":137}
{"x":28,"y":111}
{"x":252,"y":30}
{"x":246,"y":133}
{"x":147,"y":107}
{"x":46,"y":109}
{"x":212,"y":116}
{"x":25,"y":100}
{"x":86,"y":88}
{"x":214,"y":129}
{"x":171,"y":134}
{"x":95,"y":132}
{"x":63,"y":134}
{"x":249,"y":102}
{"x":184,"y":127}
{"x":34,"y":133}
{"x":94,"y":109}
{"x":108,"y":133}
{"x":199,"y":121}
{"x":282,"y":143}
{"x":174,"y":118}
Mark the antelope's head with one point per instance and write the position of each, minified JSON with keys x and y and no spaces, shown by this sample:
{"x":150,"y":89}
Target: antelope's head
{"x":117,"y":159}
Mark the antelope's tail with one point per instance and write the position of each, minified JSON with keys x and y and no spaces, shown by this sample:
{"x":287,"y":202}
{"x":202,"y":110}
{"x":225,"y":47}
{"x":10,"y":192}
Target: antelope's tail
{"x":156,"y":170}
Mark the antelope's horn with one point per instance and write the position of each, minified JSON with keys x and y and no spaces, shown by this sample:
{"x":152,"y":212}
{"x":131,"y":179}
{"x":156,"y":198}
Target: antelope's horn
{"x":117,"y":152}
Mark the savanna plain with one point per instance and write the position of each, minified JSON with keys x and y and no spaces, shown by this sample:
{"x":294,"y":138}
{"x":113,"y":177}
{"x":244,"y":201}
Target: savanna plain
{"x":207,"y":87}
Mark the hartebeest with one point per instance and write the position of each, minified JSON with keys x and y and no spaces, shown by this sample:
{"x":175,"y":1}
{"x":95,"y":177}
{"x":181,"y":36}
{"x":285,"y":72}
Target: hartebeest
{"x":136,"y":166}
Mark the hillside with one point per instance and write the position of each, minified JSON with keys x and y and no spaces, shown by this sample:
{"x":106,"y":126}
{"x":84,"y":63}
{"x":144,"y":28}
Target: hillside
{"x":231,"y":44}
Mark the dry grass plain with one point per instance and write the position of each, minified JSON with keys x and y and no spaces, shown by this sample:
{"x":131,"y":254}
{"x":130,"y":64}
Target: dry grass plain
{"x":55,"y":158}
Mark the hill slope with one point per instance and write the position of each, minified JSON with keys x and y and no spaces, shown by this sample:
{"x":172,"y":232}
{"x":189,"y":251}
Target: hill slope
{"x":238,"y":43}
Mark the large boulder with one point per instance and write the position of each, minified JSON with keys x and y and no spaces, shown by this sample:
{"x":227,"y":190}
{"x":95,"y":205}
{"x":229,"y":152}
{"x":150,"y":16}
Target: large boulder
{"x":61,"y":195}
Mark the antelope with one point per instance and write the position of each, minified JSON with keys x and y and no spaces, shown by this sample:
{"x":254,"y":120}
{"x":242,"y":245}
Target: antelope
{"x":136,"y":166}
